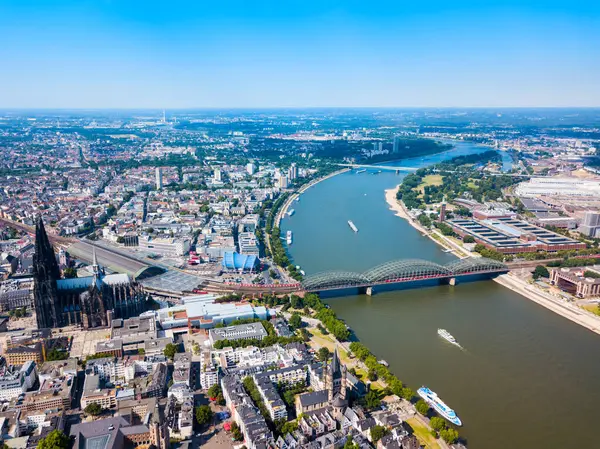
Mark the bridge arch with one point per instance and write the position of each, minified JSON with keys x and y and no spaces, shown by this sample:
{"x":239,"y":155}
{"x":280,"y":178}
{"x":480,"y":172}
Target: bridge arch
{"x":475,"y":265}
{"x":333,"y":279}
{"x":405,"y":268}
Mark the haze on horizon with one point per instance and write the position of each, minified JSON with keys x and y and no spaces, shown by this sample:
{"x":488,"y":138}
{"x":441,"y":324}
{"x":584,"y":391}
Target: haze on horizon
{"x":191,"y":54}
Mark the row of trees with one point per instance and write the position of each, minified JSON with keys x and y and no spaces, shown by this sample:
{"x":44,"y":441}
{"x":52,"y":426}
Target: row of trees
{"x":327,"y":316}
{"x":492,"y":254}
{"x":579,"y":262}
{"x":441,"y":429}
{"x":395,"y":386}
{"x":280,"y":256}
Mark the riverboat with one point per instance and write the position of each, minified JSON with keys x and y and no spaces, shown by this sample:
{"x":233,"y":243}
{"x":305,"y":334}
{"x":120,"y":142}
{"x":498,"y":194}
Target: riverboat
{"x":448,"y":337}
{"x":438,"y":405}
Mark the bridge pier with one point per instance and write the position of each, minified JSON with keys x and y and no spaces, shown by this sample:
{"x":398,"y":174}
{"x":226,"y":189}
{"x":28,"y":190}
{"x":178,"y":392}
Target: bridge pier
{"x":452,"y":281}
{"x":369,"y":291}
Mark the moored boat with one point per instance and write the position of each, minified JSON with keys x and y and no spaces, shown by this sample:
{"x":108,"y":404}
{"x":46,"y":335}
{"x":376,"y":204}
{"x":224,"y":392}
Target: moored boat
{"x":439,"y":406}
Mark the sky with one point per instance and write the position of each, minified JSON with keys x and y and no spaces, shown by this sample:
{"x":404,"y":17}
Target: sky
{"x":292,"y":53}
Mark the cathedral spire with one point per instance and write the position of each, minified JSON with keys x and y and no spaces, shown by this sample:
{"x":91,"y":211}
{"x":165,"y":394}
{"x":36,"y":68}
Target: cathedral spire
{"x":44,"y":260}
{"x":335,"y":361}
{"x":45,"y":274}
{"x":95,"y":266}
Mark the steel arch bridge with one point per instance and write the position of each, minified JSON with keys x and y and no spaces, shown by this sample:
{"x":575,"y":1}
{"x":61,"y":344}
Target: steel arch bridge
{"x":475,"y":265}
{"x":403,"y":270}
{"x":333,"y":280}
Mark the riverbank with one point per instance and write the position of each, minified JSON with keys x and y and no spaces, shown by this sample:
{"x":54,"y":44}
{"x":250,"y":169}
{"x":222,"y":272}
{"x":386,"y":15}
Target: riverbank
{"x":571,"y":312}
{"x":401,"y":211}
{"x":566,"y":310}
{"x":302,"y":189}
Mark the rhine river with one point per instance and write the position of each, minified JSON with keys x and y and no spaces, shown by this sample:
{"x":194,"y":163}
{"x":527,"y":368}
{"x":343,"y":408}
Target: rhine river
{"x":527,"y":378}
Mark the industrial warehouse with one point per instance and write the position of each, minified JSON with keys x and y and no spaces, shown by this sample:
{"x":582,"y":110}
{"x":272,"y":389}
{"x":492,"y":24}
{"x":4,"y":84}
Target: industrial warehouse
{"x":512,"y":236}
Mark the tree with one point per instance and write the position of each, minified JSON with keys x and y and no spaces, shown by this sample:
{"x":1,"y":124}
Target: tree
{"x":541,"y":272}
{"x":284,"y":427}
{"x":296,"y":302}
{"x":93,"y":409}
{"x":236,"y":432}
{"x":295,"y":321}
{"x":55,"y":440}
{"x":378,"y":432}
{"x":214,"y":391}
{"x":407,"y":393}
{"x":141,"y":351}
{"x":55,"y":354}
{"x":422,"y":407}
{"x":372,"y":376}
{"x":70,"y":273}
{"x":372,"y":399}
{"x":448,"y":435}
{"x":424,"y":220}
{"x":203,"y":414}
{"x":396,"y":386}
{"x":170,"y":350}
{"x":438,"y":423}
{"x":350,"y":444}
{"x":468,"y":239}
{"x":323,"y":354}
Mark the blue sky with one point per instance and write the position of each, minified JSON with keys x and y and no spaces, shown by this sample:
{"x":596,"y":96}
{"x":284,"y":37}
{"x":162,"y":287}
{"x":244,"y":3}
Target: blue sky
{"x":290,"y":53}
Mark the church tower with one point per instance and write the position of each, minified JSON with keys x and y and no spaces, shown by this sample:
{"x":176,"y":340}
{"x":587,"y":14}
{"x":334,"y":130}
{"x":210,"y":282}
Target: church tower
{"x":45,"y":274}
{"x":159,"y":431}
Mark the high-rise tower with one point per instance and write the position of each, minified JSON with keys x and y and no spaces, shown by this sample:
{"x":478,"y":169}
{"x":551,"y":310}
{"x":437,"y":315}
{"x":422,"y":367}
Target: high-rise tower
{"x":159,"y":178}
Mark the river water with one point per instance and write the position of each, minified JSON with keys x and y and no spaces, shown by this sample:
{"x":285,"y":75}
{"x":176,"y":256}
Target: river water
{"x":527,"y":377}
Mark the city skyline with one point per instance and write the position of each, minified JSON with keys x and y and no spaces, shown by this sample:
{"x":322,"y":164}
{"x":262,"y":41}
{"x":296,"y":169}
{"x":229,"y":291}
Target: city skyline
{"x":101,"y":55}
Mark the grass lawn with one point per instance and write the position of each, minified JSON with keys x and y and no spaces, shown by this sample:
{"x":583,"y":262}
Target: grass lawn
{"x":422,"y":433}
{"x":591,"y":308}
{"x":328,"y":341}
{"x":430,"y":180}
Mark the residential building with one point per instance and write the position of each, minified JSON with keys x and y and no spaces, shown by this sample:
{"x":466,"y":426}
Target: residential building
{"x":250,"y":331}
{"x":209,"y":373}
{"x":93,"y":393}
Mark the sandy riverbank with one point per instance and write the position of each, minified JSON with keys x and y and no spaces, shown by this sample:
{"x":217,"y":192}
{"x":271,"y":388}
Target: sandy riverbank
{"x":569,"y":311}
{"x":400,"y":210}
{"x":395,"y":205}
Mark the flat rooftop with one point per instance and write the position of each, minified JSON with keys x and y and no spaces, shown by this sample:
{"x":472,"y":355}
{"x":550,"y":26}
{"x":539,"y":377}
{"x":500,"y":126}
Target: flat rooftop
{"x":173,"y":282}
{"x":508,"y":233}
{"x":113,"y":259}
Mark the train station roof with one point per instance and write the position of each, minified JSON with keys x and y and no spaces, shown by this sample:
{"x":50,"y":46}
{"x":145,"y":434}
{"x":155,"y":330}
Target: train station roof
{"x":114,"y":261}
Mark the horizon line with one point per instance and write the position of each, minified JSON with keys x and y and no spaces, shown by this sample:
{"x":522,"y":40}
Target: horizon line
{"x":191,"y":108}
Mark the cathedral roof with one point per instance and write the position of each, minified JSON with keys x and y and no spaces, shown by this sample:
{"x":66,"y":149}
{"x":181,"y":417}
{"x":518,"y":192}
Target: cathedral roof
{"x":74,"y":283}
{"x":86,"y":282}
{"x":115,"y":279}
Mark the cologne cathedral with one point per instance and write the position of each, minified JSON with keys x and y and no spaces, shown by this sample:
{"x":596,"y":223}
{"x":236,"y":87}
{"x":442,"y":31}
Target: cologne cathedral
{"x":91,"y":301}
